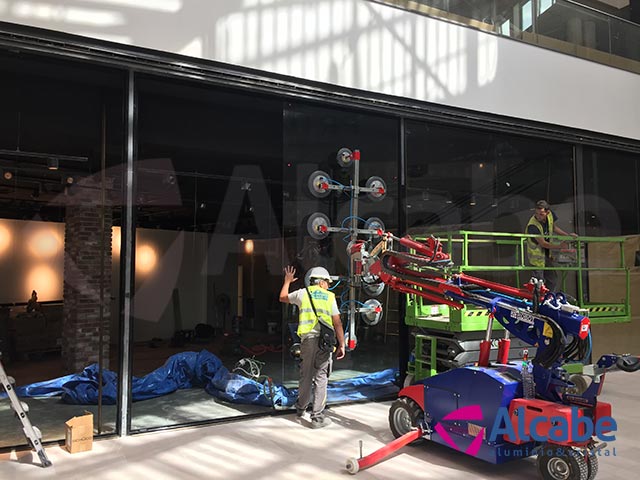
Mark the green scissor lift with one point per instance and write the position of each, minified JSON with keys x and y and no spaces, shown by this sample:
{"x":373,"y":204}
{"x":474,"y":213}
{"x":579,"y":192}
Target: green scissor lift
{"x":501,"y":257}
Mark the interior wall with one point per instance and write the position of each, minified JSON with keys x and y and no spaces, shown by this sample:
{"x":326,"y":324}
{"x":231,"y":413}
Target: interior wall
{"x":31,"y":258}
{"x":367,"y":46}
{"x":166,"y":262}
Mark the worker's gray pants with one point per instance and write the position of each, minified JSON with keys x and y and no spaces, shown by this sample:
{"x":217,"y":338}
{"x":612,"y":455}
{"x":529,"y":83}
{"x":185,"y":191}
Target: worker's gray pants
{"x":314,"y":372}
{"x":550,"y":277}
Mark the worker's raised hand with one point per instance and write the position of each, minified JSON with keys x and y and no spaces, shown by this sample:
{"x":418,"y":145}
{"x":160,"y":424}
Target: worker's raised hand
{"x":290,"y":274}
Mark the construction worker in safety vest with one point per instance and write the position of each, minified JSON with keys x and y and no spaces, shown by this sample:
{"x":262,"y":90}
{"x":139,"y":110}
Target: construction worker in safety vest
{"x":544,"y":222}
{"x":316,"y":304}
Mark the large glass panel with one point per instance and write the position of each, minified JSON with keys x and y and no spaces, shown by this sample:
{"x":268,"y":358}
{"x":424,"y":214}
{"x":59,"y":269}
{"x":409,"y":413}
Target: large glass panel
{"x":312,"y":138}
{"x":611,"y":202}
{"x":61,"y":141}
{"x":611,"y":207}
{"x":463,"y":179}
{"x":473,"y":190}
{"x":208,"y":249}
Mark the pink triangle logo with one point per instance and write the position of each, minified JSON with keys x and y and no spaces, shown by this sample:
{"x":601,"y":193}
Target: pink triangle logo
{"x":468,"y":413}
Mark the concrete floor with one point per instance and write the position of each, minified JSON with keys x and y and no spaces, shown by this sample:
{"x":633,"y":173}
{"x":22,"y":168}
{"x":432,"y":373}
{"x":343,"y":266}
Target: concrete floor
{"x":279,"y":447}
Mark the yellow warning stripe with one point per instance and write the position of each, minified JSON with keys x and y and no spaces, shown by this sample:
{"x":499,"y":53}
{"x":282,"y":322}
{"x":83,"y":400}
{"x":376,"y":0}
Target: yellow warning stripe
{"x":484,"y":313}
{"x":606,"y":309}
{"x":476,"y":313}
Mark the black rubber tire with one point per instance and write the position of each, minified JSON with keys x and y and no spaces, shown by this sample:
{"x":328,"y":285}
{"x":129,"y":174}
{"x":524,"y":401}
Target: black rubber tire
{"x":404,"y":415}
{"x":592,"y":464}
{"x":562,"y":463}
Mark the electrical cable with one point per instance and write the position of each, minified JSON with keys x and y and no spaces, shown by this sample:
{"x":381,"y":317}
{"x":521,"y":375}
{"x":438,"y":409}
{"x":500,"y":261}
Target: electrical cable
{"x":350,"y":217}
{"x":587,"y":354}
{"x":548,"y":356}
{"x":335,"y":182}
{"x":254,"y":367}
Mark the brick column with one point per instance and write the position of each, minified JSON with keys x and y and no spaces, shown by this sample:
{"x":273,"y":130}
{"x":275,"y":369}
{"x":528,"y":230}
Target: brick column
{"x":82,"y":275}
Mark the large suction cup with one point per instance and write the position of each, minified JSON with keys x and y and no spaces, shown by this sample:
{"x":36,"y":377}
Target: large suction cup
{"x":319,"y":184}
{"x":372,"y":286}
{"x":344,"y":157}
{"x":318,"y":225}
{"x":380,"y":188}
{"x":373,"y":313}
{"x":374,"y":223}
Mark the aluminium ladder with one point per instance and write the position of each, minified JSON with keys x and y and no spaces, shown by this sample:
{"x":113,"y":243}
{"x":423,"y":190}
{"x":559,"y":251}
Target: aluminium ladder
{"x":32,"y":433}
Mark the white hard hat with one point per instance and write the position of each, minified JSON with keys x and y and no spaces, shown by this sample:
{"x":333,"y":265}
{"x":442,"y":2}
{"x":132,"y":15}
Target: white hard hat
{"x":319,"y":272}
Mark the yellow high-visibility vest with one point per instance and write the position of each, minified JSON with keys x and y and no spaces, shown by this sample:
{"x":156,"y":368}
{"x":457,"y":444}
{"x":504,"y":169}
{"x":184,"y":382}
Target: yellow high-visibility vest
{"x":535,"y":252}
{"x":323,"y":301}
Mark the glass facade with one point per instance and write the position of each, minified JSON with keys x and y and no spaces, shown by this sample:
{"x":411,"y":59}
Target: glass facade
{"x":221,"y":204}
{"x":611,"y":191}
{"x":313,"y":135}
{"x":61,"y":143}
{"x":464,"y":180}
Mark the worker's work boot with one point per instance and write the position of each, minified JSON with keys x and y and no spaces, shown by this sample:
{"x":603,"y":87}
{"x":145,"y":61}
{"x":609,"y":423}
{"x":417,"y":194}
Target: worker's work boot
{"x":300,"y":411}
{"x":320,"y":421}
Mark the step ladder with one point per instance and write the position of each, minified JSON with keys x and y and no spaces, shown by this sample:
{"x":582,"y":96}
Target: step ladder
{"x":32,"y":433}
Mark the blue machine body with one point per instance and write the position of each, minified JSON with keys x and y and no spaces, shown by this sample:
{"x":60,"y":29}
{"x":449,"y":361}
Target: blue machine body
{"x":490,"y":388}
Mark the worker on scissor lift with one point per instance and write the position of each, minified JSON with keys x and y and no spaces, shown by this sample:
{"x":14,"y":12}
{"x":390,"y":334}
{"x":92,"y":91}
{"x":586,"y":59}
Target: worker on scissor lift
{"x":543,"y":223}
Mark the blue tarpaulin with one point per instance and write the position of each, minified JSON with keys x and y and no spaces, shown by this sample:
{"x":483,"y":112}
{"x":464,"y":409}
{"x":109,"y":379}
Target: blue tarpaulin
{"x":204,"y":370}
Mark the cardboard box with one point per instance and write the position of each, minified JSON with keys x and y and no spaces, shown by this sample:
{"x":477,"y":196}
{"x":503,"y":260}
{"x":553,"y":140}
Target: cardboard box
{"x":79,"y":435}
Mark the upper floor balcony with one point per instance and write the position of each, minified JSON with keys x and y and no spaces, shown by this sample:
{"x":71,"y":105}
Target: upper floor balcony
{"x":561,"y":25}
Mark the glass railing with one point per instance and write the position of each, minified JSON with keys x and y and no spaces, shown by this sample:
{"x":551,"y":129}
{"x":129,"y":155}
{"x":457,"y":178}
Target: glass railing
{"x":560,"y":25}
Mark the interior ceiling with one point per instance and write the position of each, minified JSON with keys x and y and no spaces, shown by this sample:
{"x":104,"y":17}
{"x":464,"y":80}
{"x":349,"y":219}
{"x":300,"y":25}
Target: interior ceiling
{"x":189,"y":140}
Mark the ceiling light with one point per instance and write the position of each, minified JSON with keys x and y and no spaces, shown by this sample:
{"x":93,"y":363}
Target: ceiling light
{"x":52,"y":163}
{"x":248,"y":246}
{"x":7,"y":174}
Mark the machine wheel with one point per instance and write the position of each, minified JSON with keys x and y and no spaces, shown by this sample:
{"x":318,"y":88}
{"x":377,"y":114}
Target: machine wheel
{"x":353,"y":466}
{"x":408,"y":380}
{"x":563,"y":463}
{"x":592,"y":464}
{"x":404,"y":416}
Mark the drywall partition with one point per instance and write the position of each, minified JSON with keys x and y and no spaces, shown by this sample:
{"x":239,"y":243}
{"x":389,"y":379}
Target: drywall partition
{"x":363,"y":45}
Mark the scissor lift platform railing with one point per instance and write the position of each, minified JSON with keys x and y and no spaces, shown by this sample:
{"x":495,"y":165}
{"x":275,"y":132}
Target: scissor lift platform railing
{"x":460,"y":245}
{"x":491,"y":254}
